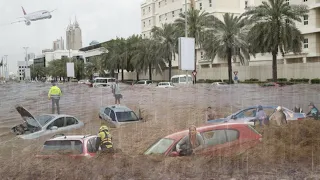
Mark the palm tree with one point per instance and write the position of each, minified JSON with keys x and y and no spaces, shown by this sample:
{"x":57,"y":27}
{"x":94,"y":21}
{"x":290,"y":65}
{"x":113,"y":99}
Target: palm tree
{"x":197,"y":23}
{"x":274,"y":29}
{"x":167,"y":36}
{"x":227,"y":39}
{"x":147,"y":56}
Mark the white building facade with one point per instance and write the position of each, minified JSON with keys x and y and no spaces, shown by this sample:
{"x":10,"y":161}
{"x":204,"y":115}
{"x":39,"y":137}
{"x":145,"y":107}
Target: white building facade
{"x":58,"y":44}
{"x":158,"y":12}
{"x":22,"y":66}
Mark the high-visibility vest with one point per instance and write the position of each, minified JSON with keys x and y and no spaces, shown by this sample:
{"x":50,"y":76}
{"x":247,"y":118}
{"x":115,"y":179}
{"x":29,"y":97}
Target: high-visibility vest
{"x":106,"y":139}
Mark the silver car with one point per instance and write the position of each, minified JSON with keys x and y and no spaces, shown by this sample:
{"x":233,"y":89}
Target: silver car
{"x":247,"y":115}
{"x":117,"y":115}
{"x":36,"y":126}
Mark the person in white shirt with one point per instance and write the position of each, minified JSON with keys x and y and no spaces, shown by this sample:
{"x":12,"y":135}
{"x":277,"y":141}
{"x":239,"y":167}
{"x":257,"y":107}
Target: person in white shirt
{"x":116,"y":92}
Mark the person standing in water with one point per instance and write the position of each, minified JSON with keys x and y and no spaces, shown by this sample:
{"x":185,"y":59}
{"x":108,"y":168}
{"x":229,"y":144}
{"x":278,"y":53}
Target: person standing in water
{"x":54,"y":94}
{"x":116,"y":92}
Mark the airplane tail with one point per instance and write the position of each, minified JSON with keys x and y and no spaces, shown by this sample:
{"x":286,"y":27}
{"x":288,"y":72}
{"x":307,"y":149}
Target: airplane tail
{"x":24,"y":12}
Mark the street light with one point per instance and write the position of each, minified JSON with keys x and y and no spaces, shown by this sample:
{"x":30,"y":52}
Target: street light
{"x":6,"y":72}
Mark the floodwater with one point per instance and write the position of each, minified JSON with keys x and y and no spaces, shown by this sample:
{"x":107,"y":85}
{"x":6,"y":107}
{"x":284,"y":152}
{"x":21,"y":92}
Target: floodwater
{"x":164,"y":111}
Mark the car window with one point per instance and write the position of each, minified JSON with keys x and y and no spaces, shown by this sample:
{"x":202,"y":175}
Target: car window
{"x":175,"y":80}
{"x":107,"y":111}
{"x":62,"y":147}
{"x":149,"y":82}
{"x":140,"y":82}
{"x":215,"y":137}
{"x":111,"y":80}
{"x":268,"y":111}
{"x":160,"y":146}
{"x":126,"y":116}
{"x":91,"y":145}
{"x":112,"y":116}
{"x":247,"y":113}
{"x":44,"y":119}
{"x":71,"y":121}
{"x":58,"y":122}
{"x":232,"y":135}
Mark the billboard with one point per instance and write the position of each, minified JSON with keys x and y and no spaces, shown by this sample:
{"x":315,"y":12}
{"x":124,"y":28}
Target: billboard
{"x":27,"y":73}
{"x":70,"y":70}
{"x":186,"y":53}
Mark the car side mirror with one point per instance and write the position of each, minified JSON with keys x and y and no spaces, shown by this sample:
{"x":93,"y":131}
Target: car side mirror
{"x":233,"y":117}
{"x":174,"y":154}
{"x":54,"y":128}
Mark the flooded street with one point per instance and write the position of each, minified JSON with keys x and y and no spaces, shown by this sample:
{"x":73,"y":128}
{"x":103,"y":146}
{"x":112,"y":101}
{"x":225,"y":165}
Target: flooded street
{"x":164,"y":111}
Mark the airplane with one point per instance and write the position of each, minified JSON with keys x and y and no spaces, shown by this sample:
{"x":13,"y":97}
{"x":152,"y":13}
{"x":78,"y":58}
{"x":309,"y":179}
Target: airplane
{"x":34,"y":16}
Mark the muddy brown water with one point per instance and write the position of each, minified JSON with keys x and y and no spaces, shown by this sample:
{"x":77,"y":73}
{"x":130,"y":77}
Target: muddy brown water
{"x":164,"y":110}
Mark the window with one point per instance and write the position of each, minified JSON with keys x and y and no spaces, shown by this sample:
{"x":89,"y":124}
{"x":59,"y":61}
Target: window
{"x":210,"y":3}
{"x":305,"y":19}
{"x":160,"y":146}
{"x":149,"y":9}
{"x":165,"y":2}
{"x":71,"y":121}
{"x":159,"y":4}
{"x":287,"y":1}
{"x":143,"y":11}
{"x":200,"y":6}
{"x":181,"y":10}
{"x":305,"y":0}
{"x":175,"y":80}
{"x":232,"y":135}
{"x":58,"y":122}
{"x":172,"y":13}
{"x":201,"y":55}
{"x":246,"y":4}
{"x":305,"y":43}
{"x":63,"y":146}
{"x":165,"y":16}
{"x":160,"y":18}
{"x":149,"y":22}
{"x":215,"y":137}
{"x":107,"y":111}
{"x":247,"y":113}
{"x":126,"y":116}
{"x":112,"y":116}
{"x":140,"y":82}
{"x":91,"y":145}
{"x":144,"y":24}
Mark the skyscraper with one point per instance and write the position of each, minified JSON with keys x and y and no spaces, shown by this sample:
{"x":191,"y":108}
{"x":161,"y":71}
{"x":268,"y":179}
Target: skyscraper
{"x":74,"y":36}
{"x":58,"y":44}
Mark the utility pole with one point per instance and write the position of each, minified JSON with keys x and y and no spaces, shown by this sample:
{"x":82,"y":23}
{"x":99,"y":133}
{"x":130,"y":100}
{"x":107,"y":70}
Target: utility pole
{"x":26,"y":49}
{"x":186,"y":21}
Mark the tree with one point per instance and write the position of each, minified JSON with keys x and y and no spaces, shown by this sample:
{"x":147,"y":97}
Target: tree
{"x":197,"y":23}
{"x":227,"y":39}
{"x":274,"y":29}
{"x":147,"y":57}
{"x":167,"y":36}
{"x":37,"y":72}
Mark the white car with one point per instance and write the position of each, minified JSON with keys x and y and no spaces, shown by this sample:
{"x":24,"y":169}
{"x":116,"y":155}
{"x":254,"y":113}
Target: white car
{"x":36,"y":126}
{"x":219,"y":84}
{"x":165,"y":85}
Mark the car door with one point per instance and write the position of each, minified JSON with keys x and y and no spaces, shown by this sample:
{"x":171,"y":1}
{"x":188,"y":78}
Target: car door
{"x":91,"y":146}
{"x":218,"y":142}
{"x":71,"y":123}
{"x":106,"y":113}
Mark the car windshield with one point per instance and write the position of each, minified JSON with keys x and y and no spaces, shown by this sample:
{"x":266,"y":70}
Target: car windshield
{"x":126,"y":116}
{"x":160,"y":147}
{"x":62,"y":147}
{"x":44,"y":119}
{"x":140,"y":82}
{"x":101,"y":81}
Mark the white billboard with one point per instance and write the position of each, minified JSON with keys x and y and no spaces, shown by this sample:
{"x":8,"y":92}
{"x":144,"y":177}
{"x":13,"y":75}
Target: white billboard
{"x":27,"y":73}
{"x":70,"y":70}
{"x":186,"y":53}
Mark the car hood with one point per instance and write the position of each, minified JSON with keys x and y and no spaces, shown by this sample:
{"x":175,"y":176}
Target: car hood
{"x":27,"y":116}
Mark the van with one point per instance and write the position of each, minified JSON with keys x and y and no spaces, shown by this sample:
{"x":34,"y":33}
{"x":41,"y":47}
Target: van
{"x":181,"y":79}
{"x":103,"y":82}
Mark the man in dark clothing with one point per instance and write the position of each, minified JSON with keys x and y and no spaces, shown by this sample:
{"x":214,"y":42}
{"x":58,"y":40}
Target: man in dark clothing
{"x":314,"y":112}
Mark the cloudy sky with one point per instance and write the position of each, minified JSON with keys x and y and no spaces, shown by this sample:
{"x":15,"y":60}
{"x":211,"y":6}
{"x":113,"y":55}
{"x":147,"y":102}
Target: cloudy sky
{"x":99,"y":20}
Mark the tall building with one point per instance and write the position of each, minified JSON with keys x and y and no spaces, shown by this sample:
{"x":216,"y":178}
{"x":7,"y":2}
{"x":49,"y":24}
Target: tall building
{"x":58,"y":44}
{"x":158,"y":12}
{"x":74,"y":36}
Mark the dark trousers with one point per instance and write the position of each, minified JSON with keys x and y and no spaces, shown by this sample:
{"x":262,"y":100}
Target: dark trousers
{"x":55,"y":101}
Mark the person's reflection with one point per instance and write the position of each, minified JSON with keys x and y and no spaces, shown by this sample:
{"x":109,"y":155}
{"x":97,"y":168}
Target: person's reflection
{"x":190,"y":143}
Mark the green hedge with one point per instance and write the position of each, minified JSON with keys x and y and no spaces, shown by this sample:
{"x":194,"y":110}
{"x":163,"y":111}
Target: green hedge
{"x":252,"y":82}
{"x":315,"y":81}
{"x":208,"y":80}
{"x":278,"y":80}
{"x":249,"y":80}
{"x":303,"y":80}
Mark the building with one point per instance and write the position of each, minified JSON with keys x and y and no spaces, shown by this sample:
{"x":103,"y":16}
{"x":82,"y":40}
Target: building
{"x":158,"y":12}
{"x":58,"y":44}
{"x":93,"y":50}
{"x":44,"y":59}
{"x":73,"y":36}
{"x":47,"y":50}
{"x":22,"y":66}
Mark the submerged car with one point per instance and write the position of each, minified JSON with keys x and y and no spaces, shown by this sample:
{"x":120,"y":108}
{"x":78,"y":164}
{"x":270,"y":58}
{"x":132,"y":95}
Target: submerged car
{"x":165,"y":85}
{"x":247,"y":115}
{"x":117,"y":115}
{"x":74,"y":146}
{"x":219,"y":140}
{"x":36,"y":126}
{"x":219,"y":84}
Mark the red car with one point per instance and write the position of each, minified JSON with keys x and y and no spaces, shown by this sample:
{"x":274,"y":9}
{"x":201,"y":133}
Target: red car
{"x":221,"y":139}
{"x":75,"y":146}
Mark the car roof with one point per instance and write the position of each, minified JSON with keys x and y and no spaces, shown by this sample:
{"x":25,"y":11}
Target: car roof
{"x":57,"y":115}
{"x":119,"y":108}
{"x":180,"y":134}
{"x":71,"y":137}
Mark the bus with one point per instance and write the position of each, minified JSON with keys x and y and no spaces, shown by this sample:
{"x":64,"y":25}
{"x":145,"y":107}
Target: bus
{"x":103,"y":82}
{"x":181,"y":79}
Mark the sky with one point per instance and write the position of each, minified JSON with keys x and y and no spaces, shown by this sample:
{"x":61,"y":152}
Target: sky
{"x":99,"y":20}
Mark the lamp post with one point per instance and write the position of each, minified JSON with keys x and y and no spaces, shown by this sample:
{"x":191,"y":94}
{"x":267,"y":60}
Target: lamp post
{"x":26,"y":49}
{"x":6,"y":68}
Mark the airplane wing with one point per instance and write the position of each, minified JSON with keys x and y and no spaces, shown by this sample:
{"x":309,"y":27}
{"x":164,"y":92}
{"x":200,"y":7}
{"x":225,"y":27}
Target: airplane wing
{"x":53,"y":10}
{"x":18,"y":21}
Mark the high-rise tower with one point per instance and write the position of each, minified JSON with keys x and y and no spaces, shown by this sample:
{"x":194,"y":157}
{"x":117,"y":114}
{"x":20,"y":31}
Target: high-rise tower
{"x":74,"y":36}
